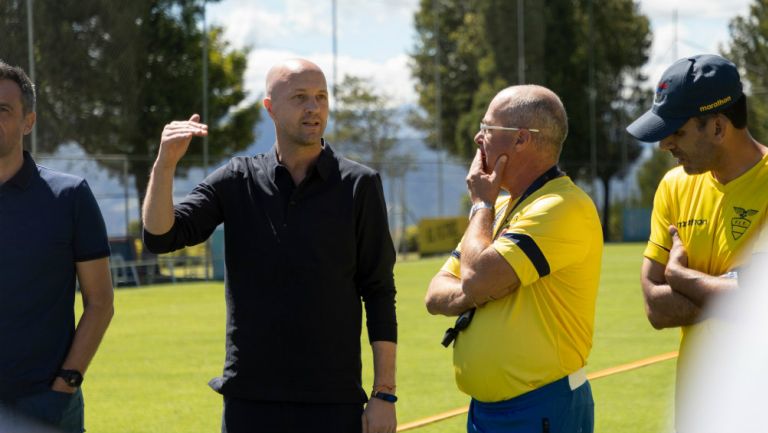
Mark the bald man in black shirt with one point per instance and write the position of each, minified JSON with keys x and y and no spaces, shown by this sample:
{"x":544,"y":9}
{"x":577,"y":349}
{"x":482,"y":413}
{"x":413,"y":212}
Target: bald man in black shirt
{"x":306,"y":240}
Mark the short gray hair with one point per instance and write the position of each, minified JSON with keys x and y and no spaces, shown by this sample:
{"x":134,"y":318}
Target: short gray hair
{"x":536,"y":107}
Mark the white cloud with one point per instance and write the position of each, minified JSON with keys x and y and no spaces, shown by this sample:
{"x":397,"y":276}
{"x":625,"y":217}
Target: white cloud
{"x":693,"y":9}
{"x":247,"y":23}
{"x":379,"y":11}
{"x":244,"y":24}
{"x":701,"y":27}
{"x":310,"y":17}
{"x":391,"y":78}
{"x":301,"y":28}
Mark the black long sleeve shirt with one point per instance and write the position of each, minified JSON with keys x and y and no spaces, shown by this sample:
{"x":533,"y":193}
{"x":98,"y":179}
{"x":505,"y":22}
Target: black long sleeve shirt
{"x":299,"y":260}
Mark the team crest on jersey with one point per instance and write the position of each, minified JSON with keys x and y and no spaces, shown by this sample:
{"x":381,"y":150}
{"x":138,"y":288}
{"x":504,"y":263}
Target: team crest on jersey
{"x":740,"y":224}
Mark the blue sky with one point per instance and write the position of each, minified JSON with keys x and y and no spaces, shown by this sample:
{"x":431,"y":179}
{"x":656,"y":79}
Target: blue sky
{"x":375,"y":36}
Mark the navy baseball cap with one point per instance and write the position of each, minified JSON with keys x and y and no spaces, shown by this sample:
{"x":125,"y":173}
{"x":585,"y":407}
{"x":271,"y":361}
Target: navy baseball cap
{"x":691,"y":87}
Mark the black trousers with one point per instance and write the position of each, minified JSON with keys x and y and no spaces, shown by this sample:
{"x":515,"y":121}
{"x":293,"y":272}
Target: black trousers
{"x":247,"y":416}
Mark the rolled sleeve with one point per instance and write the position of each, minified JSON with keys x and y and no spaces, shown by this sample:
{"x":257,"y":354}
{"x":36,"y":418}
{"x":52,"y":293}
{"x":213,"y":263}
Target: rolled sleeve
{"x":195,"y":217}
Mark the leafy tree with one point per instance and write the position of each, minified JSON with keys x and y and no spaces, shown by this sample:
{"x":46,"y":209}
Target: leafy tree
{"x":461,"y":46}
{"x":110,"y":77}
{"x":366,"y":129}
{"x":650,"y":173}
{"x":748,"y":48}
{"x":478,"y":52}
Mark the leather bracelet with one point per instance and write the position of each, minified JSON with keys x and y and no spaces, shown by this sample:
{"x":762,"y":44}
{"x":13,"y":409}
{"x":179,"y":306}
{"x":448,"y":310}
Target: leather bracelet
{"x":481,"y":205}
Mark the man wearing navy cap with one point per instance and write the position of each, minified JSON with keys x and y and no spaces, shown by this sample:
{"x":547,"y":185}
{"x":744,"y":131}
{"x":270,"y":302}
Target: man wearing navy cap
{"x":707,"y":210}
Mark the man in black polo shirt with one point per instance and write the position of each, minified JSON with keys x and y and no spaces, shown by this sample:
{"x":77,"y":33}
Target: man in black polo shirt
{"x":306,"y":239}
{"x":51,"y":231}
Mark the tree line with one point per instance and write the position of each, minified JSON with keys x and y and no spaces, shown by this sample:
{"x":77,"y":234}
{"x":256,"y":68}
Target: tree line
{"x":109,"y":78}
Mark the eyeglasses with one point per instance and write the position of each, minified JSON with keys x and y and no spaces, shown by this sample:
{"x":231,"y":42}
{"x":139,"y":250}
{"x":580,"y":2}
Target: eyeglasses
{"x":485,"y":128}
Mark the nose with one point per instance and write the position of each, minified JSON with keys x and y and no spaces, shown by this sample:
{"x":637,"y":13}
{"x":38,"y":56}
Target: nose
{"x":311,"y":104}
{"x":667,"y":143}
{"x":479,"y":138}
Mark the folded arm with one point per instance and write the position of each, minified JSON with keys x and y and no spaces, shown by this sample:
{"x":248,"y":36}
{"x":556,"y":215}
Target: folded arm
{"x":665,"y":307}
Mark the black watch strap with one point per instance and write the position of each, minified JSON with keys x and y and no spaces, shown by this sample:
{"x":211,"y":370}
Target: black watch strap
{"x":73,"y":378}
{"x":384,"y":396}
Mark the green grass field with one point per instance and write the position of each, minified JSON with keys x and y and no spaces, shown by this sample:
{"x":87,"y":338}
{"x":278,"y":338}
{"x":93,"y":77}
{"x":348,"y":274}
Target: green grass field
{"x":166,"y":342}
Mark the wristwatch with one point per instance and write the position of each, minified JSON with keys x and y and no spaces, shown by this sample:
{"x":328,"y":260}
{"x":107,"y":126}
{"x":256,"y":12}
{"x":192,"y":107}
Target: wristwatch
{"x":73,"y":378}
{"x":481,"y":205}
{"x":384,"y":396}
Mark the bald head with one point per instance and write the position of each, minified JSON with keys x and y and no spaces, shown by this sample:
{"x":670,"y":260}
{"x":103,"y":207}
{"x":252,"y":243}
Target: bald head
{"x":297,"y":101}
{"x":283,"y":72}
{"x":536,"y":107}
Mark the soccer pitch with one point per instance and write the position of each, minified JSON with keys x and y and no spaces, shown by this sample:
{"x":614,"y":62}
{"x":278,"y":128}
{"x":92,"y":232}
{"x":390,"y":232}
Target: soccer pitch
{"x":166,"y":342}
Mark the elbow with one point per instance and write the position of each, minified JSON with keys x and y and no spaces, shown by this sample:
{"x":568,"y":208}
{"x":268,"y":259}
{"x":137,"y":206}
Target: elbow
{"x":110,"y":313}
{"x":654,"y":299}
{"x":152,"y":249}
{"x":155,"y":245}
{"x":431,"y":302}
{"x":150,"y":244}
{"x":658,"y":321}
{"x":430,"y":306}
{"x":104,"y":309}
{"x":107,"y":313}
{"x":435,"y":300}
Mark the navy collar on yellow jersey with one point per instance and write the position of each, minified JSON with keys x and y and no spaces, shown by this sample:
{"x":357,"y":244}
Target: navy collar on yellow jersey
{"x":552,"y":173}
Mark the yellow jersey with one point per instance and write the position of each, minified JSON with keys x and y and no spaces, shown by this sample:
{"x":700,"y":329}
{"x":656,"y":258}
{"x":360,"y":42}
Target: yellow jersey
{"x":541,"y":332}
{"x":761,"y":244}
{"x":717,"y":223}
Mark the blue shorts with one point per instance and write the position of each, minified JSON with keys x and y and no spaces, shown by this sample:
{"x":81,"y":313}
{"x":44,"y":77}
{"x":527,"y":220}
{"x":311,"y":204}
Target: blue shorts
{"x":553,"y":408}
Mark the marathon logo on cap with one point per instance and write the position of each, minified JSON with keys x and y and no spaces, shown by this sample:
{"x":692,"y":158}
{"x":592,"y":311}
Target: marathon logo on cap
{"x":715,"y":104}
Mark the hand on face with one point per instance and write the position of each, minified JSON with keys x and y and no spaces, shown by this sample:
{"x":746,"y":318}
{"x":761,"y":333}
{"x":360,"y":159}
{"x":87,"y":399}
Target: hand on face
{"x":176,"y":137}
{"x":481,"y":184}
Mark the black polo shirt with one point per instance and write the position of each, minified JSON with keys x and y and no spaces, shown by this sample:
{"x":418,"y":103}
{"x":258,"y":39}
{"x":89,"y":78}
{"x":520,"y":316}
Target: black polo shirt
{"x":299,"y":260}
{"x":48,"y":221}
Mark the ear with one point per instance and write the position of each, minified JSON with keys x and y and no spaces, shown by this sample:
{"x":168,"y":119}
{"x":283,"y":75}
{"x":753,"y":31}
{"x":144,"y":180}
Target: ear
{"x":267,"y":102}
{"x":523,"y":138}
{"x":29,"y":122}
{"x":719,"y":125}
